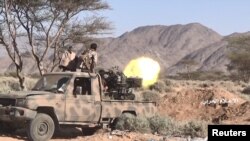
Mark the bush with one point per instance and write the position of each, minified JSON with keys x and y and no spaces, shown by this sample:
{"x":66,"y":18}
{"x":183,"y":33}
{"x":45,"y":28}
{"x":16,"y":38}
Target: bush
{"x":125,"y":122}
{"x":158,"y":86}
{"x":30,"y":82}
{"x":150,"y":96}
{"x":201,"y":75}
{"x":168,"y":82}
{"x":7,"y":84}
{"x":10,"y":74}
{"x":12,"y":84}
{"x":164,"y":126}
{"x":246,"y":90}
{"x":156,"y":124}
{"x":169,"y":89}
{"x":130,"y":122}
{"x":195,"y":129}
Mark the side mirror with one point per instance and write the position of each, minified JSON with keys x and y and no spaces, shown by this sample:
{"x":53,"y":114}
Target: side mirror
{"x":78,"y":90}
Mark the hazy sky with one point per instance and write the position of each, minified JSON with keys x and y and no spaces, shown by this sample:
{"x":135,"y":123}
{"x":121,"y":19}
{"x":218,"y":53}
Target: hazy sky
{"x":223,"y":16}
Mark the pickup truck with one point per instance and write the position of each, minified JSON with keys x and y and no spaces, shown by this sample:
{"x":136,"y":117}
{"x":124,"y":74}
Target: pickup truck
{"x":65,"y":98}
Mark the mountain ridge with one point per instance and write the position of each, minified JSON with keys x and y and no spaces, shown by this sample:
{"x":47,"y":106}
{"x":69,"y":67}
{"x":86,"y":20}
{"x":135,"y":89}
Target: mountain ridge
{"x":168,"y":45}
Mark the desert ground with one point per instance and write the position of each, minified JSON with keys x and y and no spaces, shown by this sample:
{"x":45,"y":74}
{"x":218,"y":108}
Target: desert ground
{"x":206,"y":102}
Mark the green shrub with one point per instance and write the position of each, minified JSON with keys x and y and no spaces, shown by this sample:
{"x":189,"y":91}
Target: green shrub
{"x":164,"y":126}
{"x":142,"y":125}
{"x":125,"y":122}
{"x":132,"y":123}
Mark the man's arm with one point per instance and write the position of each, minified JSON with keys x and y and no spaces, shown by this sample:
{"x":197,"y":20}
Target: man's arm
{"x":94,"y":55}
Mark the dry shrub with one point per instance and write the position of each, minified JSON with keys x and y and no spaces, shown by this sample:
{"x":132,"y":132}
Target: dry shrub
{"x":169,"y":85}
{"x":159,"y":86}
{"x":168,"y":82}
{"x":242,"y":84}
{"x":246,"y":90}
{"x":150,"y":96}
{"x":12,"y":84}
{"x":161,"y":125}
{"x":201,"y":75}
{"x":168,"y":89}
{"x":8,"y":84}
{"x":195,"y":129}
{"x":206,"y":84}
{"x":30,"y":82}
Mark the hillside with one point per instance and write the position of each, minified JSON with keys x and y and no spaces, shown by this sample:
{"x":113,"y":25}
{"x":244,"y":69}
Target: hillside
{"x":169,"y":45}
{"x":212,"y":57}
{"x":165,"y":44}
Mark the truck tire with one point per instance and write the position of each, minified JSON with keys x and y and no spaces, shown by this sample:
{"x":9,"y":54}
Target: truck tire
{"x":41,"y":128}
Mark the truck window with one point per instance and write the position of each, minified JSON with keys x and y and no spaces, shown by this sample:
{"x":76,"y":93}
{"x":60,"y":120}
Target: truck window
{"x":82,"y":86}
{"x":52,"y":83}
{"x":61,"y":84}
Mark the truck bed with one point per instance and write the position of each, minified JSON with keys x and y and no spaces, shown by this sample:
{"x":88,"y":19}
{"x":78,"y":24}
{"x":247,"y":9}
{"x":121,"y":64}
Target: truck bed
{"x":114,"y":108}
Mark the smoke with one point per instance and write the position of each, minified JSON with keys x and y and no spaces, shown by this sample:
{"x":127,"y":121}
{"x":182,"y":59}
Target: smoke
{"x":145,"y":68}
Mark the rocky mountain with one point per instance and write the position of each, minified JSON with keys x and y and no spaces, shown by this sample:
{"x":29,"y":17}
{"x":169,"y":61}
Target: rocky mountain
{"x":169,"y":45}
{"x":210,"y":58}
{"x":165,"y":44}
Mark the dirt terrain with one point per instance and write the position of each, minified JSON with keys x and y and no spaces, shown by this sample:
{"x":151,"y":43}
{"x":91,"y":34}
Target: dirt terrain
{"x":74,"y":134}
{"x":185,"y":101}
{"x":209,"y":104}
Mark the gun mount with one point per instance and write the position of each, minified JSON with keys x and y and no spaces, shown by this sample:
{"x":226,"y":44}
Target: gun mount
{"x":119,"y":87}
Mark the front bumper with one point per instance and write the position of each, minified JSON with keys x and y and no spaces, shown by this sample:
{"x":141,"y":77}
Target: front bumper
{"x":11,"y":113}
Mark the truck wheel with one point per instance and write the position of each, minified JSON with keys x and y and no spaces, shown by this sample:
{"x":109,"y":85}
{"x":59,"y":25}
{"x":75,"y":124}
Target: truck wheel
{"x":41,"y":128}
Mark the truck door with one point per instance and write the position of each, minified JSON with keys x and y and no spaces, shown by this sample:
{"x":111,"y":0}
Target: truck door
{"x":80,"y":102}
